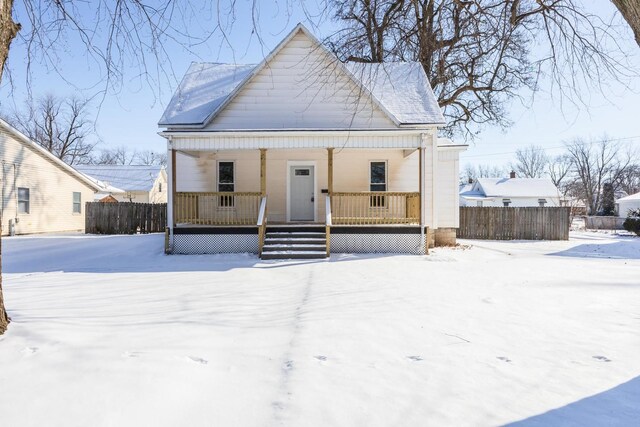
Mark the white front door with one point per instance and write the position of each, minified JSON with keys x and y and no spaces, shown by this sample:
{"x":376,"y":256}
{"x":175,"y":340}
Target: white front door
{"x":301,"y":195}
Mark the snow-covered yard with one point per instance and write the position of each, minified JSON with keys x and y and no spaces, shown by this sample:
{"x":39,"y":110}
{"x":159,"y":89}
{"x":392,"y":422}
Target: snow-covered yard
{"x":108,"y":331}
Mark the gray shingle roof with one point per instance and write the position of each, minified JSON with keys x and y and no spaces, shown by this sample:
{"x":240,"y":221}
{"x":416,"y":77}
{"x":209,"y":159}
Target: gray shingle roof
{"x":124,"y":177}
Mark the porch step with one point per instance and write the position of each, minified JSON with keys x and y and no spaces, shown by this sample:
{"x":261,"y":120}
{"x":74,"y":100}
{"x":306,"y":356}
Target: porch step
{"x":294,"y":255}
{"x":289,"y":247}
{"x":294,"y":235}
{"x":295,"y":242}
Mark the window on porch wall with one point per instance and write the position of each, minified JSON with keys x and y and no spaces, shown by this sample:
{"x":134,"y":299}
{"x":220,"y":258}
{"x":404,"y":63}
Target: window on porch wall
{"x":377,"y":182}
{"x":226,"y":183}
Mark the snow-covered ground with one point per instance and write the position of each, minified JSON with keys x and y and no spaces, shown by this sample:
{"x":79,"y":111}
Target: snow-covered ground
{"x":108,"y":331}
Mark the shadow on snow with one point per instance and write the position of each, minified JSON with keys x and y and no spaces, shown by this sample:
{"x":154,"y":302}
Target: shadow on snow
{"x":126,"y":254}
{"x":618,"y":406}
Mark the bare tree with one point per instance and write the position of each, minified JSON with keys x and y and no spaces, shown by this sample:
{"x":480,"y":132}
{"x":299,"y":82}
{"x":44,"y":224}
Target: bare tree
{"x":60,"y":126}
{"x":629,"y":180}
{"x":113,"y":33}
{"x":471,"y":173}
{"x":630,"y":10}
{"x":531,"y":162}
{"x":478,"y":55}
{"x":149,"y":158}
{"x":559,"y":170}
{"x":594,"y":164}
{"x":114,"y":156}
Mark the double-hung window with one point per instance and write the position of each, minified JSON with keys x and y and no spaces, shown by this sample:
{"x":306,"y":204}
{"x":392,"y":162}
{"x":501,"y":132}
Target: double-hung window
{"x":226,"y":183}
{"x":77,"y":202}
{"x":23,"y":200}
{"x":377,"y":182}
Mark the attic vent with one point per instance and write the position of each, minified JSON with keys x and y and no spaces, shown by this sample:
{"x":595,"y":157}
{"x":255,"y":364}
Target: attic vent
{"x":506,"y":202}
{"x":542,"y":202}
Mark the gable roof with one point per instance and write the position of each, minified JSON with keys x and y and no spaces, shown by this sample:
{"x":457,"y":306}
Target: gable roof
{"x":400,"y":90}
{"x":629,"y":198}
{"x":123,"y":178}
{"x":514,"y":187}
{"x":22,"y":138}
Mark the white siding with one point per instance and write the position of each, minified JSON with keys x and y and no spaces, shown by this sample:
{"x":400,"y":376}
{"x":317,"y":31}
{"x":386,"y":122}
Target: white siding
{"x":158,"y":193}
{"x":447,"y":189}
{"x":51,"y":190}
{"x":516,"y":202}
{"x":624,"y":206}
{"x":301,"y":89}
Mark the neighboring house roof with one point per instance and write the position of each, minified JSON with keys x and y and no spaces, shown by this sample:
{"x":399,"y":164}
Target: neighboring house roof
{"x":629,"y":198}
{"x":401,"y":90}
{"x":48,"y":156}
{"x":510,"y":187}
{"x":122,"y":178}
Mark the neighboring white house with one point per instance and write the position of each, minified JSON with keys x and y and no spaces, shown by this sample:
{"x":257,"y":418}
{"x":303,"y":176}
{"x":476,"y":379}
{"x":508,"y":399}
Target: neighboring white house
{"x":511,"y":192}
{"x":625,"y":204}
{"x":129,"y":183}
{"x":350,"y":151}
{"x":40,"y":193}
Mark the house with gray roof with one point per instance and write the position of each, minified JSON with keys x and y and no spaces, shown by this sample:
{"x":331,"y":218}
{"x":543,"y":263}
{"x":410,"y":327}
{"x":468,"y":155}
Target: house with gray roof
{"x":304,"y":156}
{"x":510,"y":192}
{"x":128,"y":183}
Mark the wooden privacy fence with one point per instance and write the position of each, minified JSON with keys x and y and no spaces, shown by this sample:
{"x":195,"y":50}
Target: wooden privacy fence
{"x":125,"y":218}
{"x":501,"y":223}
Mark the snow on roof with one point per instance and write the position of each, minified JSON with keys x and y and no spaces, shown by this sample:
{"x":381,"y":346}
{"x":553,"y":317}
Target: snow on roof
{"x":628,"y":198}
{"x":517,"y":187}
{"x":122,"y":178}
{"x":203,"y":89}
{"x":401,"y":88}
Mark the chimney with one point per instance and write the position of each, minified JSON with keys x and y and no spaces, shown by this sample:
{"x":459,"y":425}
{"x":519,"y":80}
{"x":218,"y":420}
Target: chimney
{"x":512,"y":174}
{"x":470,"y":180}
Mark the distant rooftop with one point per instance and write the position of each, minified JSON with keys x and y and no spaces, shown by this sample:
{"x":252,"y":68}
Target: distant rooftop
{"x":122,"y":177}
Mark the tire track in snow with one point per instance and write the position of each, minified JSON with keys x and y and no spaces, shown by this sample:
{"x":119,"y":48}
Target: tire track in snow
{"x":283,"y":397}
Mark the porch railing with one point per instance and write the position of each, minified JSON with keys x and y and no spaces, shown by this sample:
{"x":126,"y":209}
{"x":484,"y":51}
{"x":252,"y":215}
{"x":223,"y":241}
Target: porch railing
{"x":262,"y":224}
{"x":217,"y":208}
{"x":375,"y":207}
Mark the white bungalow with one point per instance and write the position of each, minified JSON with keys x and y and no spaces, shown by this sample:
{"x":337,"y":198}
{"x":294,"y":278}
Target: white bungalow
{"x":626,"y":204}
{"x":302,"y":155}
{"x":39,"y":192}
{"x":510,"y":192}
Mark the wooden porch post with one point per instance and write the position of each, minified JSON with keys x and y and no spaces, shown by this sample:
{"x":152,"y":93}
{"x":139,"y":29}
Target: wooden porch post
{"x":330,"y":171}
{"x":263,"y":172}
{"x":424,"y":236}
{"x":173,"y":187}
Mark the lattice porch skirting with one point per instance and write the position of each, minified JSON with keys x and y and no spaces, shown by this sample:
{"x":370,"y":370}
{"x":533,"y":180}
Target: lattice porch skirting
{"x":215,"y":240}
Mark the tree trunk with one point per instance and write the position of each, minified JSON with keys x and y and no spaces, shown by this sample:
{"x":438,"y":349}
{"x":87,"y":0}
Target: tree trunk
{"x":8,"y":31}
{"x":4,"y":318}
{"x":630,"y":10}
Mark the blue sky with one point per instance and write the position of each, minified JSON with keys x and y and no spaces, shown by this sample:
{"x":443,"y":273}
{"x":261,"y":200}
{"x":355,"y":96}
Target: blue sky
{"x":129,"y":118}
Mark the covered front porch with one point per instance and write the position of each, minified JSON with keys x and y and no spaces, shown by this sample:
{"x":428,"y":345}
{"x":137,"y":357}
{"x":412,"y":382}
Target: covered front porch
{"x":349,"y":192}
